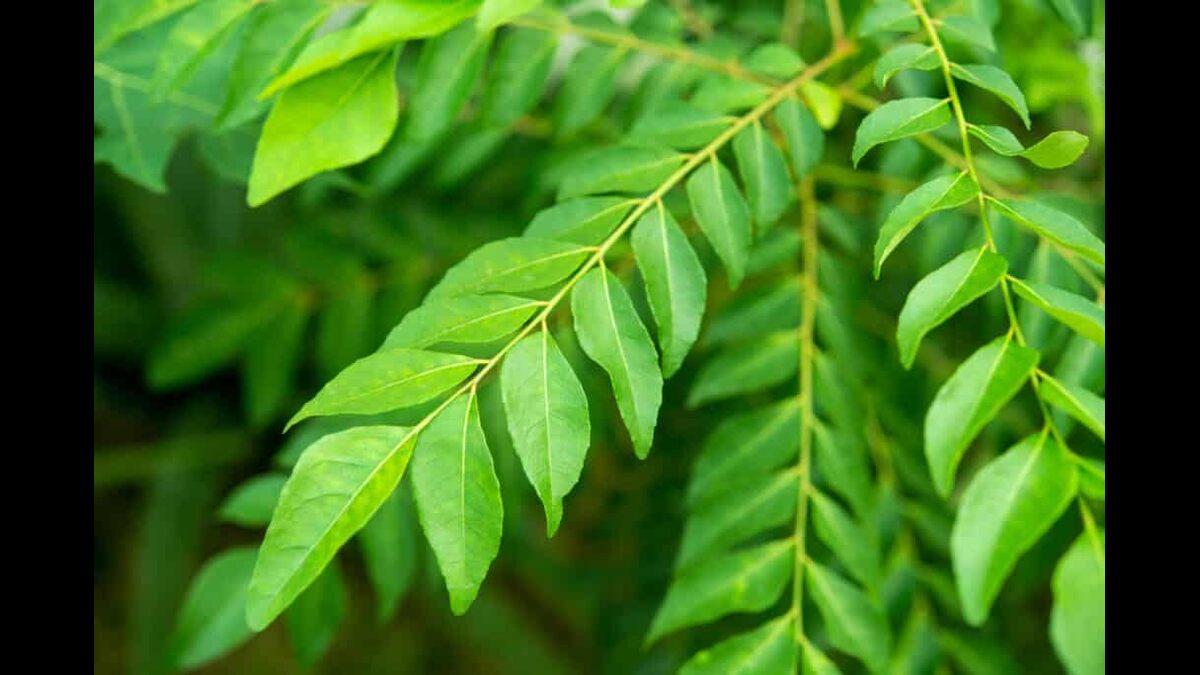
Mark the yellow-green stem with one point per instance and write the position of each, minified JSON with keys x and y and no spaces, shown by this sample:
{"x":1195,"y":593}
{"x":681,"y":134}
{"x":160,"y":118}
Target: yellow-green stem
{"x":808,"y":225}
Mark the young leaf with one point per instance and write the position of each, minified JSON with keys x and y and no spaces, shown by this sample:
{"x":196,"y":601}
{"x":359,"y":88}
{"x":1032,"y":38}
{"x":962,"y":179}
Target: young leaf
{"x":314,"y":618}
{"x":329,"y":121}
{"x":770,"y":648}
{"x":761,"y":166}
{"x":252,"y":503}
{"x":805,"y":141}
{"x":903,"y":57}
{"x":1077,"y":618}
{"x":335,"y":488}
{"x":1055,"y":151}
{"x":741,"y":510}
{"x":1006,"y":508}
{"x":613,"y":336}
{"x":495,"y":13}
{"x":587,"y":220}
{"x":997,"y":82}
{"x":722,"y":215}
{"x":1082,"y":315}
{"x":939,"y":194}
{"x":749,"y":580}
{"x":510,"y":265}
{"x":747,"y":444}
{"x":547,"y":419}
{"x":388,"y":380}
{"x":449,"y":67}
{"x":899,"y":119}
{"x":517,"y":75}
{"x":972,"y":396}
{"x":675,"y":284}
{"x":894,"y":16}
{"x":744,"y":368}
{"x":1055,"y":225}
{"x":461,"y":319}
{"x":942,"y":293}
{"x":458,"y":499}
{"x":824,"y":101}
{"x":852,"y":543}
{"x":389,"y":547}
{"x":587,"y":88}
{"x":856,"y":626}
{"x":1078,"y":402}
{"x":968,"y":31}
{"x":678,"y":125}
{"x":212,"y":621}
{"x":619,"y":169}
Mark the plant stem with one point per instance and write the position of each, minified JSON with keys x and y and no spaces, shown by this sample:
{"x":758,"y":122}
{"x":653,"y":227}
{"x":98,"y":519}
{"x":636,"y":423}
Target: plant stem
{"x":808,"y":224}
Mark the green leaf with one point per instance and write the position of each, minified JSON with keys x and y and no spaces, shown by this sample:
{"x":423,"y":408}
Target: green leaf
{"x":458,"y":499}
{"x":588,"y":86}
{"x":749,"y":580}
{"x":495,"y":13}
{"x":1078,"y":15}
{"x":382,"y":26}
{"x":342,"y":327}
{"x":855,"y":624}
{"x":1057,"y":226}
{"x":203,"y":342}
{"x":805,"y":141}
{"x":1091,"y":477}
{"x":746,"y":444}
{"x":447,"y":71}
{"x":743,"y":368}
{"x":764,"y":311}
{"x":894,"y":16}
{"x":968,"y":31}
{"x":212,"y":620}
{"x":997,"y":82}
{"x":852,"y":543}
{"x":517,"y":74}
{"x":619,"y":169}
{"x":678,"y":125}
{"x":511,"y":265}
{"x":770,"y":648}
{"x":389,"y":547}
{"x":547,"y":419}
{"x":1082,"y":315}
{"x":939,"y":194}
{"x":842,"y":465}
{"x":742,"y":509}
{"x":903,"y":57}
{"x":942,"y":293}
{"x":313,"y":620}
{"x":764,"y":172}
{"x":1078,"y":402}
{"x":388,"y":380}
{"x":774,"y":59}
{"x":613,"y":336}
{"x":972,"y":396}
{"x":337,"y":485}
{"x":272,"y":361}
{"x":824,"y":101}
{"x":1055,"y":151}
{"x":1077,"y":618}
{"x":675,"y":284}
{"x":193,"y":38}
{"x":723,"y":94}
{"x":816,"y":663}
{"x":722,"y":215}
{"x":461,"y":319}
{"x":252,"y":503}
{"x":899,"y":119}
{"x":338,"y":118}
{"x":1007,"y":507}
{"x":587,"y":220}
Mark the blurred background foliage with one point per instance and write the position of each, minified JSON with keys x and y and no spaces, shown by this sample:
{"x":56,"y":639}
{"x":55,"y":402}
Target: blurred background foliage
{"x":213,"y":322}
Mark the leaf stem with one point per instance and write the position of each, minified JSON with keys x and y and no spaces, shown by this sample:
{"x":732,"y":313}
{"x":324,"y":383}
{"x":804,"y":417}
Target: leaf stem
{"x":808,"y":225}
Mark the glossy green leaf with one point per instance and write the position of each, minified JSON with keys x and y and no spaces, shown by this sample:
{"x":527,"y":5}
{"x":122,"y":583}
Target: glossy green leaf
{"x":678,"y":125}
{"x":899,"y":119}
{"x":722,"y":215}
{"x":1055,"y":151}
{"x":495,"y":13}
{"x":252,"y":503}
{"x":903,"y":57}
{"x":747,"y":367}
{"x":968,"y":31}
{"x":271,"y":364}
{"x":587,"y":89}
{"x":547,"y":419}
{"x":894,"y":16}
{"x":212,"y":620}
{"x":511,"y":265}
{"x":1082,"y":315}
{"x":1005,"y":509}
{"x":966,"y":402}
{"x":586,"y":220}
{"x":461,"y":319}
{"x":770,"y":648}
{"x":853,"y":543}
{"x":762,"y":168}
{"x":338,"y":118}
{"x":337,"y":485}
{"x":1078,"y":402}
{"x":942,"y":293}
{"x":749,"y":580}
{"x":389,"y":548}
{"x":458,"y":499}
{"x":612,"y":335}
{"x":675,"y":284}
{"x":447,"y":71}
{"x":746,"y":444}
{"x":1057,"y":226}
{"x":1077,"y":618}
{"x":742,"y":509}
{"x":855,"y":624}
{"x":193,"y":37}
{"x":805,"y":141}
{"x":939,"y":194}
{"x":619,"y":169}
{"x":995,"y":81}
{"x":517,"y":74}
{"x":387,"y":380}
{"x":313,"y":620}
